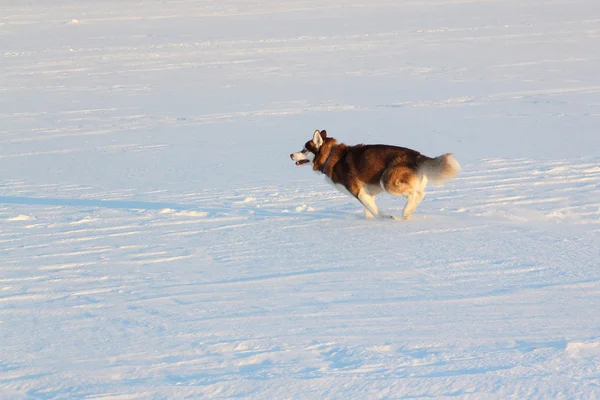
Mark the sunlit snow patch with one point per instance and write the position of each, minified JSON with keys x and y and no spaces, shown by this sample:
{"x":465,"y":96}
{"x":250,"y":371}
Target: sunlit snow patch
{"x":21,"y":217}
{"x":183,"y":213}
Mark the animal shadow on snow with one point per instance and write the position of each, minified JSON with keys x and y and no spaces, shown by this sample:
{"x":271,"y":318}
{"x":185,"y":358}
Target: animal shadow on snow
{"x":215,"y":211}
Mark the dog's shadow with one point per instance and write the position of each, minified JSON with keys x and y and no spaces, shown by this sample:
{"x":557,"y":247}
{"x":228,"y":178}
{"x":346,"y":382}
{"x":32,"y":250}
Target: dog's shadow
{"x":222,"y":210}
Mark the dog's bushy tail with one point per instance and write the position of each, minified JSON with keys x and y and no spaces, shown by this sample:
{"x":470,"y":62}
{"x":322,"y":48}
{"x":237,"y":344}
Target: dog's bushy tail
{"x":440,"y":169}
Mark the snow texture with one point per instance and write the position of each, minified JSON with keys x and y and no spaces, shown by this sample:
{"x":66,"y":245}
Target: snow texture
{"x":157,"y":242}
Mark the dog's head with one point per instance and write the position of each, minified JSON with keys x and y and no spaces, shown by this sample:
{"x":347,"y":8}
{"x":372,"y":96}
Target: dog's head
{"x":310,"y":150}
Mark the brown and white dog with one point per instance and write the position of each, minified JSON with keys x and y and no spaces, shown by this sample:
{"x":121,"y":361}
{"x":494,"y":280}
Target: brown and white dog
{"x":364,"y":171}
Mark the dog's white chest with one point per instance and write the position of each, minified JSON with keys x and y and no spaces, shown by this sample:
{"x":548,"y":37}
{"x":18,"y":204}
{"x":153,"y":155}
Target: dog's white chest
{"x":338,"y":186}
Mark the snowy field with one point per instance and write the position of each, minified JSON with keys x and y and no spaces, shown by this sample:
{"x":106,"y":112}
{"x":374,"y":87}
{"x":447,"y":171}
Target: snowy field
{"x":156,"y":241}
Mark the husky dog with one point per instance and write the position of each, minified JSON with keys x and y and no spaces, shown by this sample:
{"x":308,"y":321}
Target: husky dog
{"x":364,"y":171}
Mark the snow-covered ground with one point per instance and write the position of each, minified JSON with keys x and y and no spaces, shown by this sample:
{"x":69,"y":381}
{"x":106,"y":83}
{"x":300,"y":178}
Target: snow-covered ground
{"x":156,"y":241}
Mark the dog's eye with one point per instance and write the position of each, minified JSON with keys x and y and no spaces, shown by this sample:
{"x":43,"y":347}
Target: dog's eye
{"x":305,"y":151}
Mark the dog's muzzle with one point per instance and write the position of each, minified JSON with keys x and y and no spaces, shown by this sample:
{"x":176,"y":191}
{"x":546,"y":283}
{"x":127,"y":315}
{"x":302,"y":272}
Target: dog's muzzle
{"x":300,"y":158}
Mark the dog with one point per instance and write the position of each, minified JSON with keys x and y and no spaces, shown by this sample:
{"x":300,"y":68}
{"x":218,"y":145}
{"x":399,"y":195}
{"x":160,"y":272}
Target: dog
{"x":365,"y":171}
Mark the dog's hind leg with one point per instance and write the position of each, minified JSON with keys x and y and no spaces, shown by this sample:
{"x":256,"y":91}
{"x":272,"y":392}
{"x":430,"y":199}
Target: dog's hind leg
{"x":411,"y":204}
{"x":414,"y":197}
{"x":400,"y":180}
{"x":419,"y":192}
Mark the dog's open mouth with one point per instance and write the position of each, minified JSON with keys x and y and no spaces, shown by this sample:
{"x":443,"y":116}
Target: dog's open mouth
{"x":302,"y":162}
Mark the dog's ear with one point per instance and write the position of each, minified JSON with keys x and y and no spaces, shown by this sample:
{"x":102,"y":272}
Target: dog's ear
{"x":317,"y":139}
{"x":323,"y":134}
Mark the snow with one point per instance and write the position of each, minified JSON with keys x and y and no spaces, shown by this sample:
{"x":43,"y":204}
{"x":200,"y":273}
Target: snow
{"x":156,"y":240}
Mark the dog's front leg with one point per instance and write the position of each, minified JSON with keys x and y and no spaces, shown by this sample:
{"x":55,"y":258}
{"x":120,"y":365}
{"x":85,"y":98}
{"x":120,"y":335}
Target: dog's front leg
{"x":368,"y":202}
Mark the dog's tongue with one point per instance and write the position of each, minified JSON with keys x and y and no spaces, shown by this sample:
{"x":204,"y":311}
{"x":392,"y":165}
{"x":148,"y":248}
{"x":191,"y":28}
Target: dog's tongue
{"x":302,"y":162}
